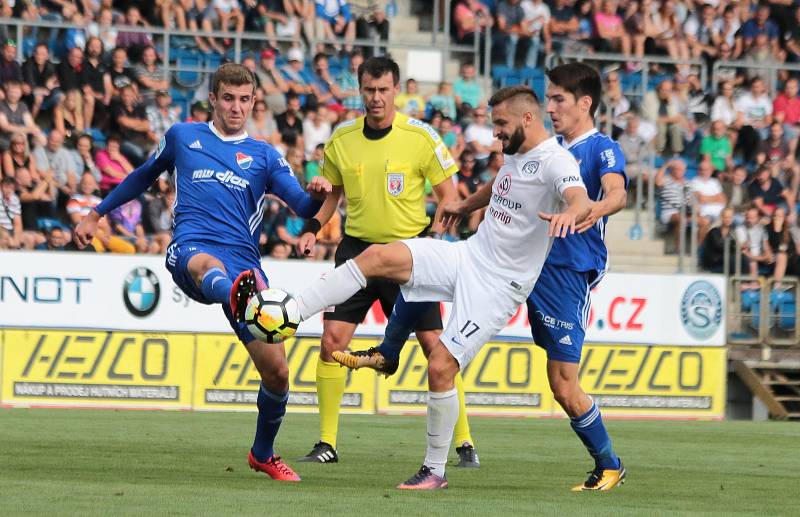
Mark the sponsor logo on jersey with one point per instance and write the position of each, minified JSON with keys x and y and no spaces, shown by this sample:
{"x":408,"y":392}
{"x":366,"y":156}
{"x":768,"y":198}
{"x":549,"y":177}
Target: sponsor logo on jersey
{"x":504,"y":185}
{"x":422,"y":125}
{"x":202,"y":174}
{"x":500,"y":215}
{"x":565,"y":340}
{"x":196,"y":145}
{"x":228,"y":178}
{"x":445,"y":158}
{"x":530,"y":168}
{"x":608,"y":156}
{"x":507,"y":203}
{"x":395,"y":183}
{"x":701,"y":309}
{"x":553,"y":322}
{"x":569,"y":179}
{"x":244,"y":161}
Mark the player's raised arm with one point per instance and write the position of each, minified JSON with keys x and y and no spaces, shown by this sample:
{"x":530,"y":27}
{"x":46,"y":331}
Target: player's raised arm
{"x":308,"y":235}
{"x":132,"y":186}
{"x":613,"y":181}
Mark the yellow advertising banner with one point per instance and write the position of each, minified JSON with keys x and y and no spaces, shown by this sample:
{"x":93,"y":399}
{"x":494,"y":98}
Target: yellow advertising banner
{"x":504,"y":378}
{"x":104,"y":369}
{"x":664,"y":381}
{"x":227,"y":379}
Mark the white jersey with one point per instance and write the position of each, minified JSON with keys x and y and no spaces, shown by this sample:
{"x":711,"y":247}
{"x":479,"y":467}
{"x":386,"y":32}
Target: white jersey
{"x":512,"y":240}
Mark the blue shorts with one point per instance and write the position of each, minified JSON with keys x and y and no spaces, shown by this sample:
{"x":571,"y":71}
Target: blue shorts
{"x":177,"y":261}
{"x":558,"y":311}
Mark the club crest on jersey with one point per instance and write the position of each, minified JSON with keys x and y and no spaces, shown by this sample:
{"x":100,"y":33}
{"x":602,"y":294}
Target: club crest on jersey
{"x":530,"y":168}
{"x":244,"y":160}
{"x":395,"y":184}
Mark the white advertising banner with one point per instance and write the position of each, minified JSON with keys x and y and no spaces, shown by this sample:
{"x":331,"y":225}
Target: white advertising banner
{"x":136,"y":292}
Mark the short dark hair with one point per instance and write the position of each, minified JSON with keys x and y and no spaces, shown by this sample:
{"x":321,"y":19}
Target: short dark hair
{"x":510,"y":92}
{"x":233,"y":74}
{"x":378,"y":67}
{"x":8,"y":180}
{"x":579,"y":79}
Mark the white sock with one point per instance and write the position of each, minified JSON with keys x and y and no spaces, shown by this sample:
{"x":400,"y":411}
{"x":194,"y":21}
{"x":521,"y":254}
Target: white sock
{"x":332,"y":289}
{"x":442,"y":416}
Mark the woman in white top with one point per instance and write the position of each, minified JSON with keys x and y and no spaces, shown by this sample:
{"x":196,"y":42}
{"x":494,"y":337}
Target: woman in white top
{"x":724,"y":108}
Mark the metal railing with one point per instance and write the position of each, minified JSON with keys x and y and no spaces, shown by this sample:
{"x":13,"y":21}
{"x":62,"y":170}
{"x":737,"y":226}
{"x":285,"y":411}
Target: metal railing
{"x":763,"y":312}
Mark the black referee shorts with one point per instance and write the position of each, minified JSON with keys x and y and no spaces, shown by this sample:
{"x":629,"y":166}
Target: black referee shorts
{"x":355,"y":309}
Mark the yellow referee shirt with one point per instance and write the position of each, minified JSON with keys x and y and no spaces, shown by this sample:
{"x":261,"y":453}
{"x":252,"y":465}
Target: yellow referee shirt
{"x":384,"y":180}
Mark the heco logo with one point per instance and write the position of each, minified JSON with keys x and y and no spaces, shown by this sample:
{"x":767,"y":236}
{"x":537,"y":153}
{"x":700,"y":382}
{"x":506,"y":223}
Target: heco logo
{"x":227,"y":178}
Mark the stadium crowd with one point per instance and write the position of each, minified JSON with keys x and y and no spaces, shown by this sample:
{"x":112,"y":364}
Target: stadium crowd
{"x":88,"y":104}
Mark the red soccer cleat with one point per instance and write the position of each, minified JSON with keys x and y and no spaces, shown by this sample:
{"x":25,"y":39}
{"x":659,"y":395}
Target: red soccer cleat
{"x":273,"y":467}
{"x":246,"y":285}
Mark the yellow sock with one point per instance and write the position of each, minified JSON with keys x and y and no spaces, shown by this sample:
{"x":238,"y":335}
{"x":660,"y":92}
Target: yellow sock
{"x":461,"y":432}
{"x":331,"y":378}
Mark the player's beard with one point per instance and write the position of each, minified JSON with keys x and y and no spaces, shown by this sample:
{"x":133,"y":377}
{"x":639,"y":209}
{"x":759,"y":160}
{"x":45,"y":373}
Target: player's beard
{"x":514,"y":142}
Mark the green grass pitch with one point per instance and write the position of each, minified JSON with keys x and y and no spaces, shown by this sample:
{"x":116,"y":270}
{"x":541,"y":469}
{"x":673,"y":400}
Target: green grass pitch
{"x":99,"y":462}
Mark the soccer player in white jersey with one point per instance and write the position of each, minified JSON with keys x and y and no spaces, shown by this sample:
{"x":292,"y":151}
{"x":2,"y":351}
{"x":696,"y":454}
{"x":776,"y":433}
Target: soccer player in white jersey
{"x":537,"y":195}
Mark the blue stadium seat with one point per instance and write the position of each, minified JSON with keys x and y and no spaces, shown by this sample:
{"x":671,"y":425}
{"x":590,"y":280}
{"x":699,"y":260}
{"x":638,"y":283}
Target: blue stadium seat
{"x":783,"y":305}
{"x":182,"y":99}
{"x":533,"y":77}
{"x":751,"y":305}
{"x":500,"y":73}
{"x":188,"y":58}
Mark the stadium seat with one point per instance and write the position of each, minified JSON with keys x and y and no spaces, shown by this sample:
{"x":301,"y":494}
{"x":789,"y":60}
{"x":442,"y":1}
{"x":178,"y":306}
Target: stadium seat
{"x":500,"y":73}
{"x":189,"y":78}
{"x":751,"y":305}
{"x":783,"y":306}
{"x":533,"y":77}
{"x":182,"y":99}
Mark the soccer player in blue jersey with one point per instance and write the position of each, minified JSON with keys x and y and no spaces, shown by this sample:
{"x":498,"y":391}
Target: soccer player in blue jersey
{"x":558,"y":307}
{"x":222,"y":177}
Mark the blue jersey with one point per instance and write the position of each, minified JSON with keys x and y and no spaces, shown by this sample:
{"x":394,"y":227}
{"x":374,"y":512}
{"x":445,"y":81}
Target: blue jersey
{"x":597,"y":155}
{"x":221,"y":186}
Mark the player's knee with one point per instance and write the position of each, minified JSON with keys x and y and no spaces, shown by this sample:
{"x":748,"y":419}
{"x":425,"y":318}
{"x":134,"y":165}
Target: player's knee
{"x":332,"y":343}
{"x":568,"y":396}
{"x":442,"y":369}
{"x":276,"y":379}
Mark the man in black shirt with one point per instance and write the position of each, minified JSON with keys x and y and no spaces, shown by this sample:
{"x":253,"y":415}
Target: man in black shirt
{"x":9,"y":68}
{"x":96,"y":81}
{"x":290,"y":122}
{"x":40,"y":76}
{"x":129,"y":119}
{"x":70,"y":71}
{"x":767,"y":192}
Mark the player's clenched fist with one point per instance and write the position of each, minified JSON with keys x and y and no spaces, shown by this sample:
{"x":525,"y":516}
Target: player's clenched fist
{"x":84,"y":232}
{"x":319,"y":187}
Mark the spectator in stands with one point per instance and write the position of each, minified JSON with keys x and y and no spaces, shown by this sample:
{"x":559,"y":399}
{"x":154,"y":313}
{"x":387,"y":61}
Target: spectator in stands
{"x":469,"y":181}
{"x":84,"y":157}
{"x":444,"y":101}
{"x":752,"y":238}
{"x":288,"y":228}
{"x":150,"y":76}
{"x":694,"y":97}
{"x":9,"y":68}
{"x":614,"y":106}
{"x":767,"y":193}
{"x":10,"y":214}
{"x":452,"y":137}
{"x":322,"y":82}
{"x":103,"y":28}
{"x":778,"y":153}
{"x":37,"y":197}
{"x":313,"y":167}
{"x":126,"y":222}
{"x":163,"y":114}
{"x":717,"y":147}
{"x":471,"y":18}
{"x":675,"y":194}
{"x":52,"y":159}
{"x":371,"y":21}
{"x":537,"y":24}
{"x":296,"y":158}
{"x":271,"y":81}
{"x":786,"y":108}
{"x":228,"y":15}
{"x":509,"y":31}
{"x":290,"y":122}
{"x":728,"y":73}
{"x":56,"y":240}
{"x":334,"y":20}
{"x":712,"y":257}
{"x":17,"y":155}
{"x":15,"y":117}
{"x":294,"y":73}
{"x":316,"y":129}
{"x":700,"y":29}
{"x":97,"y":86}
{"x":113,"y":164}
{"x":661,"y":107}
{"x":480,"y":139}
{"x":81,"y":203}
{"x":726,"y":29}
{"x":134,"y":42}
{"x":199,"y":112}
{"x":785,"y":246}
{"x":159,"y":216}
{"x":754,"y":112}
{"x":130,"y":121}
{"x":761,"y":24}
{"x":792,"y":39}
{"x":724,"y":107}
{"x":493,"y":167}
{"x":347,"y":89}
{"x":261,"y":125}
{"x":667,"y":33}
{"x":121,"y":74}
{"x":411,"y":102}
{"x":611,"y":34}
{"x":40,"y":76}
{"x":70,"y":70}
{"x":74,"y":36}
{"x":563,"y":25}
{"x":68,"y":116}
{"x":760,"y":54}
{"x":709,"y":196}
{"x":467,"y":90}
{"x":636,"y":151}
{"x":328,"y":238}
{"x":271,"y":17}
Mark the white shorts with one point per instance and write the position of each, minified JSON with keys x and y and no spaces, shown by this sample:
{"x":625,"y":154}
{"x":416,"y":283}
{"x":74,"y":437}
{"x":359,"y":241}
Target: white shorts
{"x":483,"y":301}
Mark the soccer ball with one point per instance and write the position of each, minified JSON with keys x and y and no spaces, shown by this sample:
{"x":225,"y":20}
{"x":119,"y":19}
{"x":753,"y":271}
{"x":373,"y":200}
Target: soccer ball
{"x":272,"y":315}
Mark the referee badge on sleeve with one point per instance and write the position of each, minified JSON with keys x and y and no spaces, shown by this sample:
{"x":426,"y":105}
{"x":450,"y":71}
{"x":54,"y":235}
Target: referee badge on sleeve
{"x":395,"y":183}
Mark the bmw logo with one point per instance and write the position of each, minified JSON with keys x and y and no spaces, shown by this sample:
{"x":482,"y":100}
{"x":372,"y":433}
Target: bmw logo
{"x":701,"y":310}
{"x":141,"y":292}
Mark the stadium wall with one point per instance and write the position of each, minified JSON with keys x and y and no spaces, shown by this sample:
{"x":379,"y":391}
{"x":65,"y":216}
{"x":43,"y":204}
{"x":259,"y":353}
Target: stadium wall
{"x":84,"y":330}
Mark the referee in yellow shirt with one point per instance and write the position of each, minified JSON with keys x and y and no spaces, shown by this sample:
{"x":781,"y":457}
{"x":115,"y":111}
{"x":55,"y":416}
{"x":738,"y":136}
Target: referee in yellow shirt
{"x":380,"y":163}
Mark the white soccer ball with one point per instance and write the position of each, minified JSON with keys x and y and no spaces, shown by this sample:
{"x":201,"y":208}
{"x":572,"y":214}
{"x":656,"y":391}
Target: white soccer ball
{"x":272,"y":315}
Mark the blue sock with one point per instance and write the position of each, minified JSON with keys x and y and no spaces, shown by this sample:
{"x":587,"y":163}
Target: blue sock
{"x":216,"y":286}
{"x":402,"y":322}
{"x":590,"y":429}
{"x":271,"y":408}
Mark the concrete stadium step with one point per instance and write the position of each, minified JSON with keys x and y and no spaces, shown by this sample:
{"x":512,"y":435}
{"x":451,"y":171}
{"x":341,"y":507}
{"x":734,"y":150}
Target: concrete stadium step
{"x":642,"y":247}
